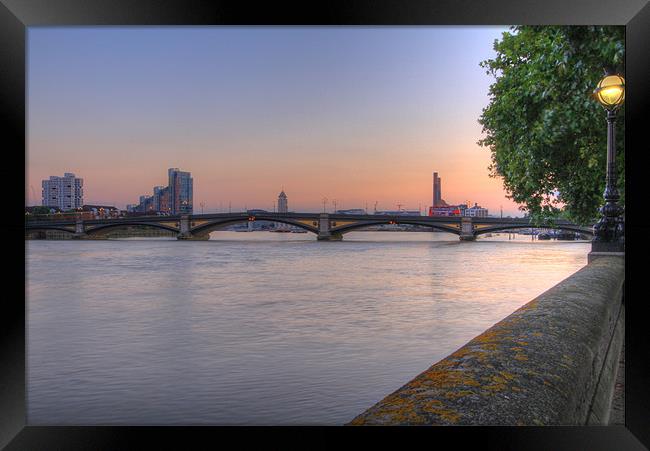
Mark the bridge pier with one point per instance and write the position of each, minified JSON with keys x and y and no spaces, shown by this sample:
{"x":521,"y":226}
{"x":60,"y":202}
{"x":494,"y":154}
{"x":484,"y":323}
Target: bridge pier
{"x":79,"y":231}
{"x":324,"y":233}
{"x":186,"y":234}
{"x":467,"y":229}
{"x":330,"y":237}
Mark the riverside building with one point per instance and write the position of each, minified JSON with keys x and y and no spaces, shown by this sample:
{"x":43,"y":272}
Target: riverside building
{"x":476,"y":211}
{"x":65,"y":193}
{"x":180,"y":191}
{"x":175,"y":198}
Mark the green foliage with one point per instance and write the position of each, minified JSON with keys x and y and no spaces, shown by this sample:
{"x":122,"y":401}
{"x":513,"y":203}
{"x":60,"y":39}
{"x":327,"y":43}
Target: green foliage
{"x":547,"y":134}
{"x":41,"y":210}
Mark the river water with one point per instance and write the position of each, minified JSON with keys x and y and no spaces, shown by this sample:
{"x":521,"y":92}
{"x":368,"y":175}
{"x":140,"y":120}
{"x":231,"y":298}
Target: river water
{"x":261,"y":328}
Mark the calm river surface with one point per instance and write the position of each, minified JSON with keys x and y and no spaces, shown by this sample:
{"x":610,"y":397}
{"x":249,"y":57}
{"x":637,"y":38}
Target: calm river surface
{"x":261,"y":328}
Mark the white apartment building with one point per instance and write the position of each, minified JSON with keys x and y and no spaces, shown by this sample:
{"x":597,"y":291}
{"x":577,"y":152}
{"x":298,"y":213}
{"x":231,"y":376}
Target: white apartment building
{"x":476,"y":212}
{"x":64,"y":192}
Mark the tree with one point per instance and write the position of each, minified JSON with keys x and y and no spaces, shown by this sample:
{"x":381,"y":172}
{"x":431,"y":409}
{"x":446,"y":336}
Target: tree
{"x":40,"y":210}
{"x":546,"y":132}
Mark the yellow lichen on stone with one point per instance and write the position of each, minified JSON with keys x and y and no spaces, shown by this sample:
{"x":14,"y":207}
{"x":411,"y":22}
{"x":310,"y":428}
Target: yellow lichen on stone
{"x":489,"y":336}
{"x":458,"y":394}
{"x":448,"y":415}
{"x":531,"y":305}
{"x":507,"y":376}
{"x":490,"y":346}
{"x":449,"y":378}
{"x":499,"y":382}
{"x":466,"y":352}
{"x":400,"y":410}
{"x":433,"y":402}
{"x":459,"y":354}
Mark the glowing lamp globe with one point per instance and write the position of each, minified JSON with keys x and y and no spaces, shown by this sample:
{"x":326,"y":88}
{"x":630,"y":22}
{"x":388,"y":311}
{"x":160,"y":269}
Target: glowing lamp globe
{"x":611,"y":91}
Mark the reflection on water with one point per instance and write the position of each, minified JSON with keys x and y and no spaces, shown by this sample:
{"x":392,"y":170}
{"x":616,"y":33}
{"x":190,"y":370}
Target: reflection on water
{"x":259,"y":327}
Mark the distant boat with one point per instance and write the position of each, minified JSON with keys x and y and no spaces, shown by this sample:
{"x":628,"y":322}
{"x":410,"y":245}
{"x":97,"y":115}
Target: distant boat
{"x":281,"y":230}
{"x":299,"y":231}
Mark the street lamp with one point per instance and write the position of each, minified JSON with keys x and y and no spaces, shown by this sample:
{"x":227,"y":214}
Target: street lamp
{"x":609,"y":232}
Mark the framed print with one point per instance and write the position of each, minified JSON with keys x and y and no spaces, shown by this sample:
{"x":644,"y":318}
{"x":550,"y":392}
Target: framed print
{"x":292,"y":217}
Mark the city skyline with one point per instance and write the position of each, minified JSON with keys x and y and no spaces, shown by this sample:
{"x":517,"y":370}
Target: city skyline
{"x":161,"y":199}
{"x":353,"y":114}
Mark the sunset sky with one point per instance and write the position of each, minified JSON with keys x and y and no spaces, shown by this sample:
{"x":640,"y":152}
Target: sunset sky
{"x":356,"y":114}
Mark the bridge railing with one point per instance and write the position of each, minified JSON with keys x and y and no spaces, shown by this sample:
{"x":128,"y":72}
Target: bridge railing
{"x":55,"y":217}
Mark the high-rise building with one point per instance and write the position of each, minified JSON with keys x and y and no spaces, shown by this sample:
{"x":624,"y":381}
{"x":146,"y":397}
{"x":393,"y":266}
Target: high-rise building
{"x":180,"y":191}
{"x":283,"y":206}
{"x":157,"y":191}
{"x":146,"y":204}
{"x":162,"y":201}
{"x":164,"y":205}
{"x":65,"y":192}
{"x":437,"y":192}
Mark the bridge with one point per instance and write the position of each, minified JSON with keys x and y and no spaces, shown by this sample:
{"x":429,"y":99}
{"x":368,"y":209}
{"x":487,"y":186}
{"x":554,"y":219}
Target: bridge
{"x":327,"y":227}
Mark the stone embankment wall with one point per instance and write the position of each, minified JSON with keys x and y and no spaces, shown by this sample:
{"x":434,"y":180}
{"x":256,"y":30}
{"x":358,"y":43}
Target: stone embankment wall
{"x":551,"y":362}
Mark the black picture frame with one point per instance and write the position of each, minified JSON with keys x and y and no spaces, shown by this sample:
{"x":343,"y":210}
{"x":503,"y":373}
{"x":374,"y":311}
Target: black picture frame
{"x":16,"y":15}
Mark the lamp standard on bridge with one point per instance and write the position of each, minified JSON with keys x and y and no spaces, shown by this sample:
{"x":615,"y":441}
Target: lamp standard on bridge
{"x":609,"y":232}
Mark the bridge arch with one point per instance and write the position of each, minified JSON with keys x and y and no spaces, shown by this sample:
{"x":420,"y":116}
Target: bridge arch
{"x":528,"y":226}
{"x":206,"y":228}
{"x":98,"y":230}
{"x":361,"y":224}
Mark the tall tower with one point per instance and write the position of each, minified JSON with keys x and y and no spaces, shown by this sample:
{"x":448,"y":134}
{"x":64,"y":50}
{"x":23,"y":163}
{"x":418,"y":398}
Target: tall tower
{"x":180,"y":191}
{"x":437,"y":196}
{"x":283,"y":206}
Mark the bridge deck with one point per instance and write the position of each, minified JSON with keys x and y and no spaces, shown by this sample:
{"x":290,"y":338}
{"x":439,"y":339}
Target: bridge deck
{"x":339,"y":223}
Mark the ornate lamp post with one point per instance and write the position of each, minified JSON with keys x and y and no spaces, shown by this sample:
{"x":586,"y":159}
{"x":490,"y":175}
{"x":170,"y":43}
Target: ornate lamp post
{"x":609,"y":232}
